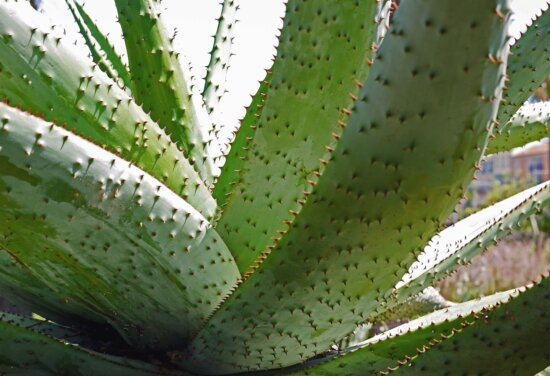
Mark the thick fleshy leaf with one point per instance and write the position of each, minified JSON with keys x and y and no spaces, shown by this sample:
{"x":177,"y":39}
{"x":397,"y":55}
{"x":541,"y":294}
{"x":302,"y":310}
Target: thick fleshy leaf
{"x":26,"y":350}
{"x":21,"y":287}
{"x":405,"y":149}
{"x":107,"y":236}
{"x":529,"y":124}
{"x":459,"y":243}
{"x":528,"y":66}
{"x":216,"y":70}
{"x":102,"y":339}
{"x":43,"y":326}
{"x":236,"y":158}
{"x":510,"y":339}
{"x":102,"y":52}
{"x":159,"y":85}
{"x":426,"y":301}
{"x":321,"y":59}
{"x":384,"y":350}
{"x":40,"y":71}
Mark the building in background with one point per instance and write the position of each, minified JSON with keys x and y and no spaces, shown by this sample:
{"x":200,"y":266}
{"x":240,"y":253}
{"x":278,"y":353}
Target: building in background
{"x":532,"y":163}
{"x":495,"y":169}
{"x":525,"y":166}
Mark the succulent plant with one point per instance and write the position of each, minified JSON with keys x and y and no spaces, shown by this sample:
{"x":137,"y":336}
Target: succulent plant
{"x":145,"y":249}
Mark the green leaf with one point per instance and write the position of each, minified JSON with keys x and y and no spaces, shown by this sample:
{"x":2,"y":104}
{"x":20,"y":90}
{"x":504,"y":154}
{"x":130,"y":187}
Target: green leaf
{"x":529,"y":124}
{"x":43,"y":326}
{"x":426,"y":301}
{"x":308,"y":98}
{"x":20,"y":286}
{"x":40,"y":71}
{"x":406,"y":149}
{"x":510,"y":339}
{"x":528,"y":66}
{"x":459,"y":243}
{"x":236,"y":158}
{"x":24,"y":350}
{"x":384,"y":350}
{"x":159,"y":85}
{"x":101,"y":50}
{"x":107,"y":236}
{"x":98,"y":338}
{"x":216,"y":70}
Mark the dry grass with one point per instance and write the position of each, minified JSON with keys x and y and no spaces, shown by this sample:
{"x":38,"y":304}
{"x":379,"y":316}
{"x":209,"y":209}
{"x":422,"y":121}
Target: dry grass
{"x":511,"y":263}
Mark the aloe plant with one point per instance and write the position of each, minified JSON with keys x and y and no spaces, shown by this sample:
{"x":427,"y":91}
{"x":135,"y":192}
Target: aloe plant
{"x":141,"y":257}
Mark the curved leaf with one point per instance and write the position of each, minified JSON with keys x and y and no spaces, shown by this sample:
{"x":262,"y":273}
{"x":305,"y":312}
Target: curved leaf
{"x":43,"y":326}
{"x":101,"y":50}
{"x":39,"y":71}
{"x":21,"y":287}
{"x":106,"y":236}
{"x":26,"y":351}
{"x":529,"y":124}
{"x":509,"y":339}
{"x":350,"y":243}
{"x":426,"y":301}
{"x":384,"y":350}
{"x":98,"y":338}
{"x":528,"y":66}
{"x":306,"y":107}
{"x":159,"y":85}
{"x":216,"y":70}
{"x":459,"y":243}
{"x":236,"y":158}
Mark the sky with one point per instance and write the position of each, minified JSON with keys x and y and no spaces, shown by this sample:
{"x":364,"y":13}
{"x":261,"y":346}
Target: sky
{"x":255,"y":38}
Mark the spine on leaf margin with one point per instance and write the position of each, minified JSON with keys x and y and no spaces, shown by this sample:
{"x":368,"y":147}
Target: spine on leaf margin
{"x":159,"y":84}
{"x":236,"y":158}
{"x":354,"y":215}
{"x":220,"y":56}
{"x":50,"y":80}
{"x":103,"y":53}
{"x":458,"y":244}
{"x":300,"y":123}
